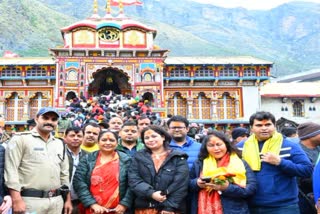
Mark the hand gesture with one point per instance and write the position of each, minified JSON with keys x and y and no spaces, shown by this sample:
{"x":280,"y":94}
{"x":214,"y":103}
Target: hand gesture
{"x":271,"y":158}
{"x":158,"y":197}
{"x":201,"y":183}
{"x":19,"y":206}
{"x":120,"y":209}
{"x":96,"y":208}
{"x":6,"y":204}
{"x":67,"y":207}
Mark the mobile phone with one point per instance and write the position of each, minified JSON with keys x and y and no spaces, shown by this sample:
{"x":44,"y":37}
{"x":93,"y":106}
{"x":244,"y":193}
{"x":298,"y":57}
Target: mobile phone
{"x":163,"y":192}
{"x":206,"y":179}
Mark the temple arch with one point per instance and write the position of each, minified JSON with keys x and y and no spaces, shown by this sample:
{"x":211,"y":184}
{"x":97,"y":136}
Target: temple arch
{"x":106,"y":79}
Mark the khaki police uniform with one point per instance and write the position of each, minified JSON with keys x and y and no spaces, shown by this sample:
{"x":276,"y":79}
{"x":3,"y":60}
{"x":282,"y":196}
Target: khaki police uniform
{"x":32,"y":163}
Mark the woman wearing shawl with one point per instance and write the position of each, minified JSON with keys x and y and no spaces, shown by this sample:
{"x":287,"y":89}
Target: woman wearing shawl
{"x":101,"y":178}
{"x":158,"y":175}
{"x":220,"y":161}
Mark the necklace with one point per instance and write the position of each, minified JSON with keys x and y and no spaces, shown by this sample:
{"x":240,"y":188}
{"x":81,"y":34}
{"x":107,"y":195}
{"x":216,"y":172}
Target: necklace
{"x":158,"y":156}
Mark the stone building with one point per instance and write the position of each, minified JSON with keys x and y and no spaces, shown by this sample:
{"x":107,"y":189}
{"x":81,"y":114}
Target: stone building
{"x":294,"y":97}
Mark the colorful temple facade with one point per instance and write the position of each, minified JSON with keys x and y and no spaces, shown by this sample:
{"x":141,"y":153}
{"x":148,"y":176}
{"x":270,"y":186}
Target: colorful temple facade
{"x":117,"y":53}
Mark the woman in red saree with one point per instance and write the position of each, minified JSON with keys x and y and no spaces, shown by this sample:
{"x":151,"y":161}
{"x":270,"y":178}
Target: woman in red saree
{"x":101,"y":178}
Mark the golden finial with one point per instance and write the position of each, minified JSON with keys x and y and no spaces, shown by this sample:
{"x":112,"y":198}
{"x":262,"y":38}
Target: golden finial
{"x":108,"y":7}
{"x":95,"y":10}
{"x":120,"y":7}
{"x":108,"y":10}
{"x":95,"y":6}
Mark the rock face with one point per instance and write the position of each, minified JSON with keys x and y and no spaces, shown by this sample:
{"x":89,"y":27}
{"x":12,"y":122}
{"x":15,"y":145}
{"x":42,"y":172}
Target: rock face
{"x":288,"y":35}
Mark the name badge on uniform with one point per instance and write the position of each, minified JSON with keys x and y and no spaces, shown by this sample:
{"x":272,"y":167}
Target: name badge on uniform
{"x":38,"y":149}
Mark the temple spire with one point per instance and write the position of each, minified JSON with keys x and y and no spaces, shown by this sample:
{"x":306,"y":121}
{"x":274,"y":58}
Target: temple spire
{"x":121,"y":14}
{"x":95,"y":10}
{"x":120,"y":7}
{"x":108,"y":10}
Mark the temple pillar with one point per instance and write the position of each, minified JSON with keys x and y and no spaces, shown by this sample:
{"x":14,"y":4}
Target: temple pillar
{"x":2,"y":105}
{"x":26,"y":102}
{"x":213,"y":107}
{"x":237,"y":105}
{"x":237,"y":108}
{"x":189,"y":103}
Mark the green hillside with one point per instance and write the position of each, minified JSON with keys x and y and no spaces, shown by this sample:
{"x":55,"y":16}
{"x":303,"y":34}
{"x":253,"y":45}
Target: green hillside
{"x":30,"y":27}
{"x":288,"y":35}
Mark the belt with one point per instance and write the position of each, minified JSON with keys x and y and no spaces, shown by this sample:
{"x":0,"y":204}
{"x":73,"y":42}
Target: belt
{"x":40,"y":193}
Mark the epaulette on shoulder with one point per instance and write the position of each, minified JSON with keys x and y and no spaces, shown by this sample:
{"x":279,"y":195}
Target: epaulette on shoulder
{"x":59,"y":138}
{"x":22,"y":133}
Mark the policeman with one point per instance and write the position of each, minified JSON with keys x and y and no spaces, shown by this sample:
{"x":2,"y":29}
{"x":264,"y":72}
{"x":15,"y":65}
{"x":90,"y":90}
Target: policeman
{"x":36,"y":168}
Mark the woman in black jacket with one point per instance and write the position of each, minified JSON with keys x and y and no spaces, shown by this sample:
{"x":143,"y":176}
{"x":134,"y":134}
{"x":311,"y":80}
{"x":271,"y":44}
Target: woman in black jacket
{"x":158,"y":176}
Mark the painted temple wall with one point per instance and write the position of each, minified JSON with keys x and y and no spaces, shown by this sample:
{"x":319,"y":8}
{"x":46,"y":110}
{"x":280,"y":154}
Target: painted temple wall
{"x":92,"y":38}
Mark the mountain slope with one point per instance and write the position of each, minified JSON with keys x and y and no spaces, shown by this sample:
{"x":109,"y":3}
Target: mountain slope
{"x":288,"y":35}
{"x":31,"y":27}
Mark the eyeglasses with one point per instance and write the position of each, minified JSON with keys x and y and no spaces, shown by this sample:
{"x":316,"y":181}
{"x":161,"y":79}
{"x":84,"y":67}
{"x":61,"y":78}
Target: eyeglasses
{"x":177,"y":128}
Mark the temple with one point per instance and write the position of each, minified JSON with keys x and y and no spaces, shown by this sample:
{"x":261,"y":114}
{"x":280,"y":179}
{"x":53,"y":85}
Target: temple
{"x":117,"y":53}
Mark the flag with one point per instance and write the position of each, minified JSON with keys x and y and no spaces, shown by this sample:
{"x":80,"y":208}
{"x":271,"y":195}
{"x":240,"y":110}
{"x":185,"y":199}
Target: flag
{"x":125,"y":2}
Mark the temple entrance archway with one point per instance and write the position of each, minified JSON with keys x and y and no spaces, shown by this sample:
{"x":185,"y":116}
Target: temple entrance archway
{"x":70,"y":95}
{"x":148,"y":97}
{"x":107,"y":79}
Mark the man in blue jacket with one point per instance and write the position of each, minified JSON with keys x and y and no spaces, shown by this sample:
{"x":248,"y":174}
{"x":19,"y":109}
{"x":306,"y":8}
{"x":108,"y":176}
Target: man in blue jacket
{"x":178,"y":129}
{"x":276,"y":162}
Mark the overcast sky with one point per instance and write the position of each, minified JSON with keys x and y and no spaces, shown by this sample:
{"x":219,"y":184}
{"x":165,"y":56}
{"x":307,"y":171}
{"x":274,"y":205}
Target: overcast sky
{"x":251,"y":4}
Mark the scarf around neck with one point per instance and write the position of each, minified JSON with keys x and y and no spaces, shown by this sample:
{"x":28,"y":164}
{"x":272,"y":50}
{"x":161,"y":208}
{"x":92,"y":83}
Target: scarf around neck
{"x":231,"y":164}
{"x":251,"y":154}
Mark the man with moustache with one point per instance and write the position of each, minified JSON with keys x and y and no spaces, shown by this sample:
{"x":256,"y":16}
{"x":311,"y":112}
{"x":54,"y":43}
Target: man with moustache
{"x":178,"y":129}
{"x":73,"y":137}
{"x":90,"y":139}
{"x":36,"y":167}
{"x":128,"y":142}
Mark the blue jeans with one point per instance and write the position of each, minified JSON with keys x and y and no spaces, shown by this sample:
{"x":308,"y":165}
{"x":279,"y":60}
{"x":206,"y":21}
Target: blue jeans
{"x":291,"y":209}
